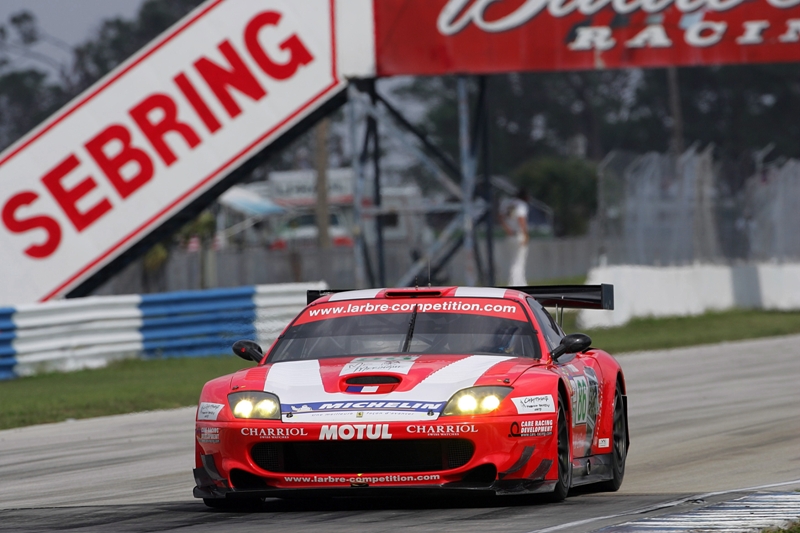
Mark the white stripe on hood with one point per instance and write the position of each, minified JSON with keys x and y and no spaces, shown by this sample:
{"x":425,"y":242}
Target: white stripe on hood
{"x":298,"y":382}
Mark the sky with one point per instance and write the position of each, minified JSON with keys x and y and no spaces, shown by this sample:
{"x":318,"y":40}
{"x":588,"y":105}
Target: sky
{"x":69,"y":21}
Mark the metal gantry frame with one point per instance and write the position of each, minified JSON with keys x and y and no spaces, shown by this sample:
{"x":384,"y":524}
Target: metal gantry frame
{"x":474,"y":211}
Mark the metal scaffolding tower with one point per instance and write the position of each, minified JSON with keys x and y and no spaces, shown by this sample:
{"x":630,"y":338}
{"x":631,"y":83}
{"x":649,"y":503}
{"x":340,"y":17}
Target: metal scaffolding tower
{"x":471,"y":202}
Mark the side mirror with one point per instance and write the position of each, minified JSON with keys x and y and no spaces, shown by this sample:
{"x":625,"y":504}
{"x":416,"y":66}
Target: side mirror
{"x":248,"y":350}
{"x":572,"y":343}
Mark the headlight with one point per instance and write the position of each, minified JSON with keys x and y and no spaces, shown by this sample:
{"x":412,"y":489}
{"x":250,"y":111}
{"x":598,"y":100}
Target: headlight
{"x":476,"y":401}
{"x":249,"y":404}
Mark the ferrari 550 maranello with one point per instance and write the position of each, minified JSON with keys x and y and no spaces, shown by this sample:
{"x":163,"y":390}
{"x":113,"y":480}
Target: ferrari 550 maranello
{"x":388,"y":391}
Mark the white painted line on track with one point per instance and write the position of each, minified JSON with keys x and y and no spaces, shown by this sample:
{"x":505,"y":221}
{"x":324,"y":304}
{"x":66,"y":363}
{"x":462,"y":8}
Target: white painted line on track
{"x":660,"y":506}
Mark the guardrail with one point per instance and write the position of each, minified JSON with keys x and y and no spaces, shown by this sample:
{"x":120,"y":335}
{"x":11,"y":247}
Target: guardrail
{"x":90,"y":332}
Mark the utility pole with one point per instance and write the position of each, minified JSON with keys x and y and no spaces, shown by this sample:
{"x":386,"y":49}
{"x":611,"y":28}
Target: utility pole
{"x":467,"y":180}
{"x":358,"y":189}
{"x":487,"y":181}
{"x":376,"y":193}
{"x":321,"y":159}
{"x":675,"y":110}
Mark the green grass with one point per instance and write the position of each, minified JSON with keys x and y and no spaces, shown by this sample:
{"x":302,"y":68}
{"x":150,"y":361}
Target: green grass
{"x":123,"y":387}
{"x":653,"y":334}
{"x":131,"y":386}
{"x":793,"y":528}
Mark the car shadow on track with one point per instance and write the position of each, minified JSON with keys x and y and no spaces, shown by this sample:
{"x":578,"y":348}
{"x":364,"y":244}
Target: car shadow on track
{"x":274,"y":505}
{"x":472,"y":512}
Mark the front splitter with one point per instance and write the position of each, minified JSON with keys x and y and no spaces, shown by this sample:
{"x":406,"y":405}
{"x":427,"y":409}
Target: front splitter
{"x":499,"y":488}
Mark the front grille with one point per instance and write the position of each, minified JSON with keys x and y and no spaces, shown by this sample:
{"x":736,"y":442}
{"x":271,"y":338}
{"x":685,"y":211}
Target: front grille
{"x":459,"y":452}
{"x":378,"y":456}
{"x":267,"y":456}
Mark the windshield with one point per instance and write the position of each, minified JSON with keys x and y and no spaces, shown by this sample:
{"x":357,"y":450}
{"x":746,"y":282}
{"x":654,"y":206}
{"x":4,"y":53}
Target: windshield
{"x":321,"y":332}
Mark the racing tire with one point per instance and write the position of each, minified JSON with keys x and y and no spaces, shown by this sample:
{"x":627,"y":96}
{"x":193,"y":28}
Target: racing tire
{"x":619,"y":452}
{"x":564,"y":457}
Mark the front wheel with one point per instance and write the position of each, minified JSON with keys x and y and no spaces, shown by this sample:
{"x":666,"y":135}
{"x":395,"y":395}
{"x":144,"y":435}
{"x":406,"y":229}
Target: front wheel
{"x":564,"y":460}
{"x":620,"y":451}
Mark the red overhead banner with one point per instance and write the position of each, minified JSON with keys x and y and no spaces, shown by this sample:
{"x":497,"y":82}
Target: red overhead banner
{"x":434,"y":37}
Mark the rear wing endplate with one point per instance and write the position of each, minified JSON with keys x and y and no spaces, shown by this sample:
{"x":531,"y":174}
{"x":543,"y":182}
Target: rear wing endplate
{"x":315,"y":294}
{"x":562,"y":296}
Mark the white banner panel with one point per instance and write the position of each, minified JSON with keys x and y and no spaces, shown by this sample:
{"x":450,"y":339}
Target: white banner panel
{"x":154,"y":134}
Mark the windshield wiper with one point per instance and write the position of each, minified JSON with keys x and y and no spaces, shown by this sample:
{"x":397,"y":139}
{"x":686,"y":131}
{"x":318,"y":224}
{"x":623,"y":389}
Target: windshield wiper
{"x":410,"y":329}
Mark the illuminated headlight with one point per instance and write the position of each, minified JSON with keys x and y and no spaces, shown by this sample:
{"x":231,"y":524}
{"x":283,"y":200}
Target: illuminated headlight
{"x":261,"y":405}
{"x":476,"y":401}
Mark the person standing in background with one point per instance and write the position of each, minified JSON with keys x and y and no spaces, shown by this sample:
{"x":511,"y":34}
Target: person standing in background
{"x":515,"y":222}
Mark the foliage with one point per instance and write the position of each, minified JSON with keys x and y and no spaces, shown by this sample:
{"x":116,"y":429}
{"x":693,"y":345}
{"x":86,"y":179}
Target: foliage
{"x":737,"y":108}
{"x":26,"y":99}
{"x":569,"y":186}
{"x":794,"y":527}
{"x":203,"y":226}
{"x":118,"y":39}
{"x":29,"y":96}
{"x":155,"y":258}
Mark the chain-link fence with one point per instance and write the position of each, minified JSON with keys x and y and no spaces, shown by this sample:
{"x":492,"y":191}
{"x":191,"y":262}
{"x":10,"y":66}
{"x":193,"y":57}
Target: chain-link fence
{"x":657,"y":209}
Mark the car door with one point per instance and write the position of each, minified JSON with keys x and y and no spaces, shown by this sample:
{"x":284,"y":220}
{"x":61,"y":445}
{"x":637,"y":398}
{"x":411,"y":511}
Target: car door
{"x":582,"y":381}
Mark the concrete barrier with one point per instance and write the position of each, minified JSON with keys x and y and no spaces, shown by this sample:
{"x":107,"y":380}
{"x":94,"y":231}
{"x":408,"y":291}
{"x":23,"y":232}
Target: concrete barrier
{"x":644,"y":291}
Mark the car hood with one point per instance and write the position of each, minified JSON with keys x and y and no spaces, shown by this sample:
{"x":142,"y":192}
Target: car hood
{"x":414,"y":387}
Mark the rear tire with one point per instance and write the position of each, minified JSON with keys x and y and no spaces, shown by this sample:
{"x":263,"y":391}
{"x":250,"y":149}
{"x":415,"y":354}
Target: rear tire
{"x":564,"y":458}
{"x":619,"y":452}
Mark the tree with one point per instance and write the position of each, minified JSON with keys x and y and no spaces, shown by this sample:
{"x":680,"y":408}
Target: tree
{"x":26,"y":99}
{"x":29,"y":96}
{"x":118,"y":39}
{"x":532,"y":114}
{"x":568,"y":186}
{"x":738,"y":108}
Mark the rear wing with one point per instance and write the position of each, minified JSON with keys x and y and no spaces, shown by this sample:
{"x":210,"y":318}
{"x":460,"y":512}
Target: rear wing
{"x":572,"y":296}
{"x":561,"y":296}
{"x":315,"y":294}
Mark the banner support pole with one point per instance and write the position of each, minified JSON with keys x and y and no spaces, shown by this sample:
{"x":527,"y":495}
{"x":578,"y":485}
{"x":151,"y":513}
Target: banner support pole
{"x":358,"y":190}
{"x":467,"y":180}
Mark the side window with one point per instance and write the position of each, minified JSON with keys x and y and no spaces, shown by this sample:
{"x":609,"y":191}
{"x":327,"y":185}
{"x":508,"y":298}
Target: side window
{"x":552,"y":333}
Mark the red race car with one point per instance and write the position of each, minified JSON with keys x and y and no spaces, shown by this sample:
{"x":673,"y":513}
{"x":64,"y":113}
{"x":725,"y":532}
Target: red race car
{"x":389,"y":391}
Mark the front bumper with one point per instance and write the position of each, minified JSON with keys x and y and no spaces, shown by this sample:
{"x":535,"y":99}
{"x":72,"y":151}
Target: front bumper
{"x":511,"y":455}
{"x":500,"y":488}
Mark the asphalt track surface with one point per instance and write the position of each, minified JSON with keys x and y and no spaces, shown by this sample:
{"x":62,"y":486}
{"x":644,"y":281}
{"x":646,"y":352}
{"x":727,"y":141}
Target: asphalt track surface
{"x":708,"y":424}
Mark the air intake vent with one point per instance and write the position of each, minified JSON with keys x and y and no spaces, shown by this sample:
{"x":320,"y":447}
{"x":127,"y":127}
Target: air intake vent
{"x":347,"y":457}
{"x":372,"y":380}
{"x":267,"y":457}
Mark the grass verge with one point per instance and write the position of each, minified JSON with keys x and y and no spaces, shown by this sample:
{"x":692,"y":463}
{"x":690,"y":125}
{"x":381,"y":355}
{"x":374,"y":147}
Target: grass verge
{"x":792,"y":528}
{"x":131,"y":386}
{"x":710,"y":328}
{"x":122,"y":387}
